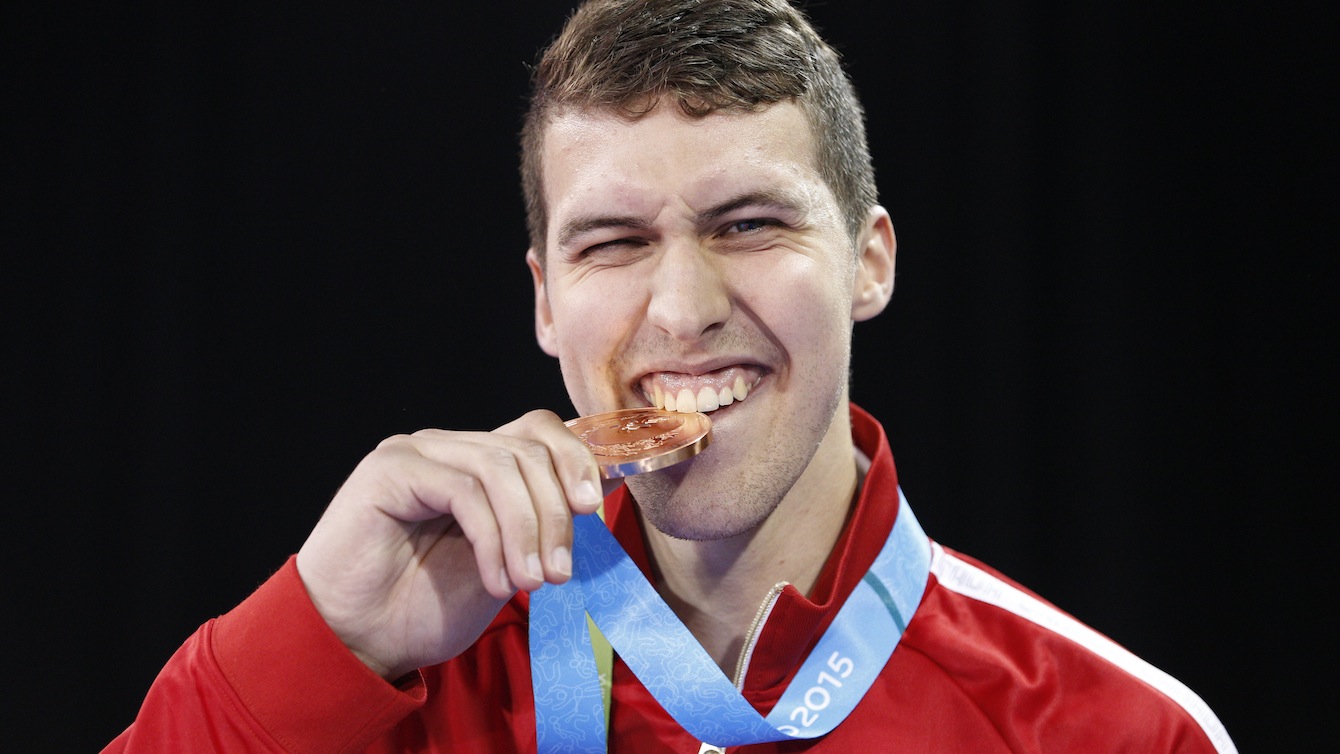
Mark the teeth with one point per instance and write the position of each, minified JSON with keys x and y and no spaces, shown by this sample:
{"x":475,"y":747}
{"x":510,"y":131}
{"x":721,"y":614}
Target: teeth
{"x":707,"y":399}
{"x":685,"y":403}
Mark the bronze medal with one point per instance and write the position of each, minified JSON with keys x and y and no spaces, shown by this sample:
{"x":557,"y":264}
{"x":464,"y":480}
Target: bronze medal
{"x":634,"y":440}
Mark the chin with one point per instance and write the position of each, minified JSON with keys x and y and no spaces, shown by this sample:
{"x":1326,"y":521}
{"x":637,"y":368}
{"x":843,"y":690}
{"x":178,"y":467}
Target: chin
{"x":697,"y":522}
{"x":691,"y":502}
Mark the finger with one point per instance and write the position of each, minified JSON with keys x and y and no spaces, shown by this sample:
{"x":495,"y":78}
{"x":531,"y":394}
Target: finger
{"x":552,"y":514}
{"x":572,"y":460}
{"x":433,"y":489}
{"x":561,"y":476}
{"x":571,"y":467}
{"x":496,"y":463}
{"x":465,"y":500}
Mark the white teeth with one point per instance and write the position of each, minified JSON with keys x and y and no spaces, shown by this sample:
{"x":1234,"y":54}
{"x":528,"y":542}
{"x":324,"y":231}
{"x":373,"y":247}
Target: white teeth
{"x":707,"y":399}
{"x":685,"y":403}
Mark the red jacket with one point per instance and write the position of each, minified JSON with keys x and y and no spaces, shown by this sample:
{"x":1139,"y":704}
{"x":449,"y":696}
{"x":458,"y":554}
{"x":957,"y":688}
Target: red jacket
{"x":984,"y":666}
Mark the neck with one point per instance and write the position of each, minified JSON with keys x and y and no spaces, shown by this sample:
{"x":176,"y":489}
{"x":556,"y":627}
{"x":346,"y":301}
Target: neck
{"x":716,"y":587}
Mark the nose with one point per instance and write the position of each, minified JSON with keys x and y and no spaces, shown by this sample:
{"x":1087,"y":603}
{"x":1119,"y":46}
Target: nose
{"x":689,"y":294}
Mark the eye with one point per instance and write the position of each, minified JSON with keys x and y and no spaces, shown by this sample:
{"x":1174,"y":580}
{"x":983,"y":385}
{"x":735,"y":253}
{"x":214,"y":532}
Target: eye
{"x":615,"y":252}
{"x":750,"y":225}
{"x":612,"y":245}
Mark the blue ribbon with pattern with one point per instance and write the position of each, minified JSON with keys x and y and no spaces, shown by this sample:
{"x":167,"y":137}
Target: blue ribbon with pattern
{"x":678,"y":672}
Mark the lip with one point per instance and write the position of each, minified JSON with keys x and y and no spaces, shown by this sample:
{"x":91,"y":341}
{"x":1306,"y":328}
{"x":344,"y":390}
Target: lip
{"x":696,"y":367}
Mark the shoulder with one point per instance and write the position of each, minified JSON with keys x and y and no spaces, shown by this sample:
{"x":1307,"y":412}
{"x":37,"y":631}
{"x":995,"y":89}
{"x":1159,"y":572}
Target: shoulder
{"x":1040,"y":673}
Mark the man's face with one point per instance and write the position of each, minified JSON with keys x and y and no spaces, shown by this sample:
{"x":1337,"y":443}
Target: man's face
{"x":707,"y":261}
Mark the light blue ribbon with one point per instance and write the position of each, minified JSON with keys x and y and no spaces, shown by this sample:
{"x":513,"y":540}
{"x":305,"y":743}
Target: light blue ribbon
{"x":678,"y":672}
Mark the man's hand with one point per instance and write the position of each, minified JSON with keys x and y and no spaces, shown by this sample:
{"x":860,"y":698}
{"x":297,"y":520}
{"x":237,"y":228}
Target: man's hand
{"x":433,"y":532}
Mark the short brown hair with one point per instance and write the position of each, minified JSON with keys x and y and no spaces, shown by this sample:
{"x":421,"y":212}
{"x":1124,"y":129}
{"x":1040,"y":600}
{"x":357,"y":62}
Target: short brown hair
{"x":625,"y":56}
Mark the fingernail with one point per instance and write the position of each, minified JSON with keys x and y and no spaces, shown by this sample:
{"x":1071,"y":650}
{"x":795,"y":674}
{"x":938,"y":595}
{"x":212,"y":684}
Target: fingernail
{"x":588,"y":494}
{"x":533,"y":567}
{"x":561,"y":560}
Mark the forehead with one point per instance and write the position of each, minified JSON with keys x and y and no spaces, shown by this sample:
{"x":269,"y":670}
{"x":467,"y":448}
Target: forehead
{"x":600,"y":157}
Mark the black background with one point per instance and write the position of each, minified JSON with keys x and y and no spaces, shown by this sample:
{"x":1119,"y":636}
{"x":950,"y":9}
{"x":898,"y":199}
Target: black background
{"x":244,"y":243}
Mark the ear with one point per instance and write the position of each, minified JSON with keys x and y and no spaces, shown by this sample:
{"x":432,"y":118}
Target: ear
{"x":544,"y":316}
{"x":873,"y":284}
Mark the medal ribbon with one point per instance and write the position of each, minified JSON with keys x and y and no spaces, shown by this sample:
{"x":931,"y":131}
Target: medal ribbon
{"x":678,"y":672}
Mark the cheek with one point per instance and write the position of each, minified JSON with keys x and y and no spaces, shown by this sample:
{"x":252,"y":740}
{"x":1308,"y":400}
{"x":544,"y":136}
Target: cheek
{"x":801,"y":299}
{"x":589,"y":329}
{"x":588,"y":320}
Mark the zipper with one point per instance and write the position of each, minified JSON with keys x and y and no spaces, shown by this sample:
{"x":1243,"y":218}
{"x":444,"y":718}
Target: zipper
{"x":747,"y":652}
{"x":751,"y":637}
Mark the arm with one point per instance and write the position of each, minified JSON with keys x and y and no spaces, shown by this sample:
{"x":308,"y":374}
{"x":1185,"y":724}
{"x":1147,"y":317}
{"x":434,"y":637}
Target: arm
{"x":425,"y":541}
{"x":269,"y":676}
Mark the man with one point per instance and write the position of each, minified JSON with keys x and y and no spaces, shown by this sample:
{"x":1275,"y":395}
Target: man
{"x":704,"y":234}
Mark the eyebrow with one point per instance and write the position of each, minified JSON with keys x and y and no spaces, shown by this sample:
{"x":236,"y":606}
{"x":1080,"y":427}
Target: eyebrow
{"x":583,"y":225}
{"x":763,"y":199}
{"x":767,"y":199}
